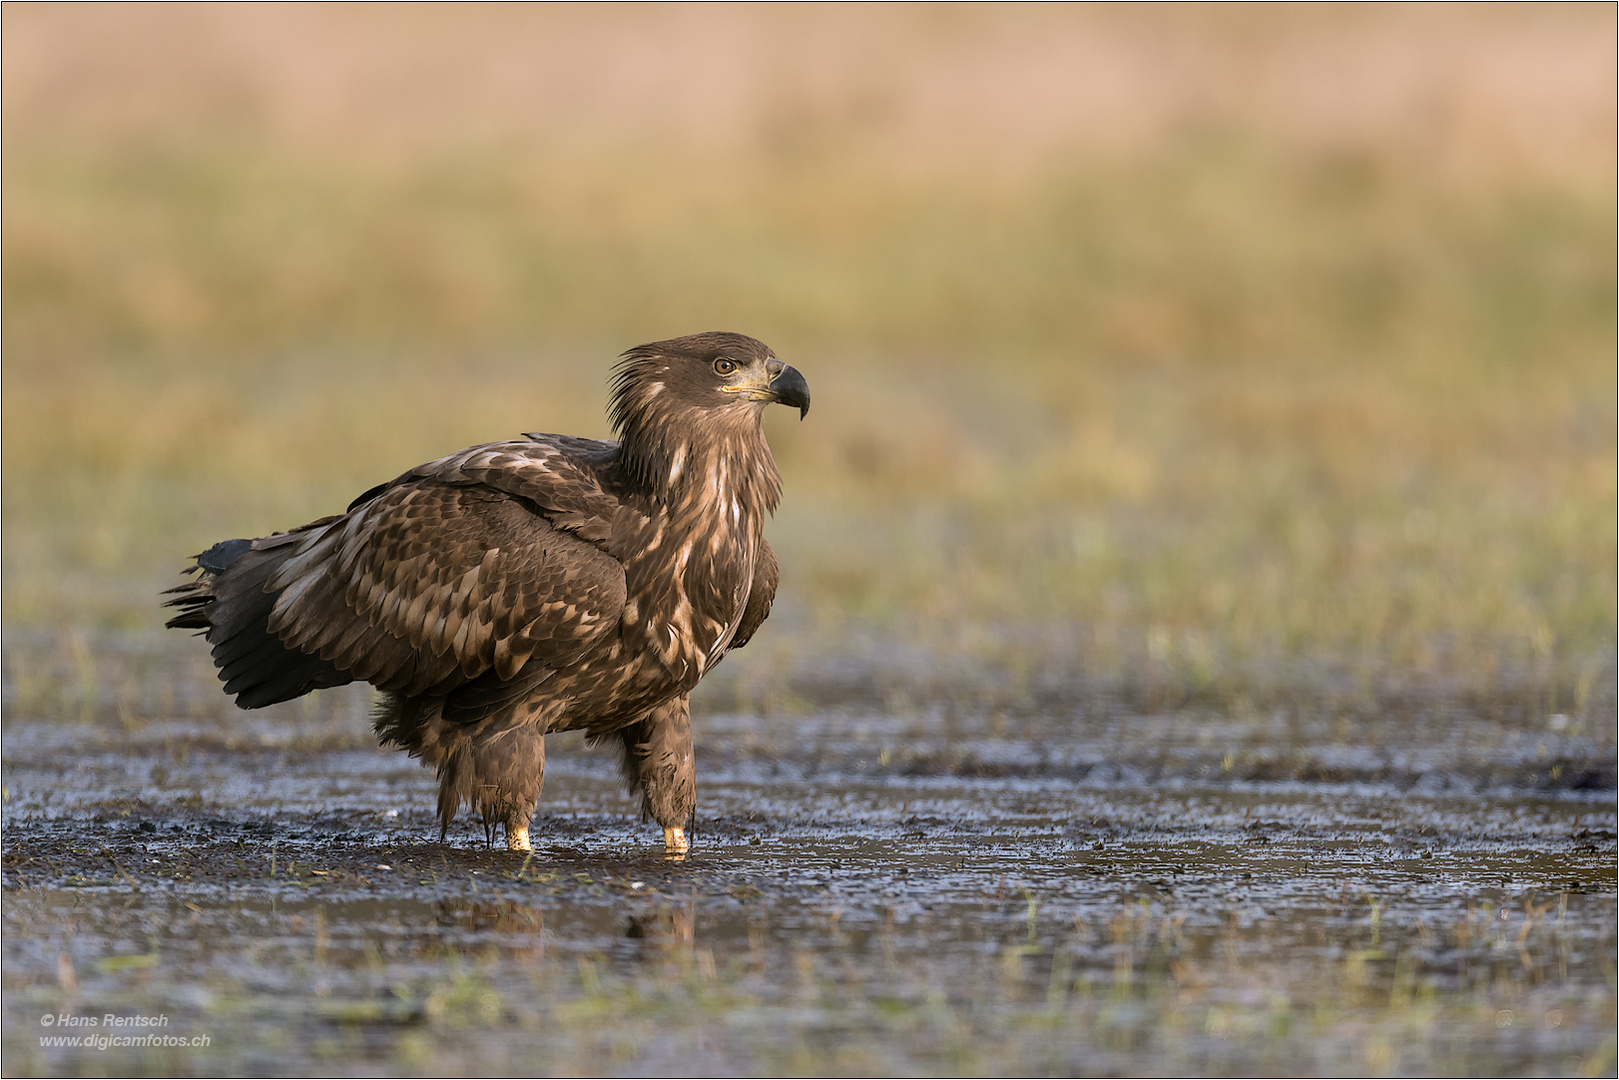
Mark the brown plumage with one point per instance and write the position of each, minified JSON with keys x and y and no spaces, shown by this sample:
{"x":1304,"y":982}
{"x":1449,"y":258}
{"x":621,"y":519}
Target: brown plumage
{"x":547,"y":583}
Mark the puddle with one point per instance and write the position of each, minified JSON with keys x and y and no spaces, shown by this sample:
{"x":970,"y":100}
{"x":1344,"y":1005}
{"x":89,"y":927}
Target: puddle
{"x":867,"y":894}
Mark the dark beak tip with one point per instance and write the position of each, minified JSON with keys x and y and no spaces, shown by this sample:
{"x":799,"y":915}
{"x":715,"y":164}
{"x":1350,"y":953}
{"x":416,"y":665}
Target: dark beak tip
{"x":790,"y":388}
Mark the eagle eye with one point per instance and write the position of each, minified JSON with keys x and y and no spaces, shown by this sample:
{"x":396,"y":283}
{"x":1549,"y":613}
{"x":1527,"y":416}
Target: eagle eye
{"x":724,"y":365}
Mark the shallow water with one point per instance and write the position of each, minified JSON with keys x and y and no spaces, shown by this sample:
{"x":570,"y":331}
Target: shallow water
{"x":869,"y":892}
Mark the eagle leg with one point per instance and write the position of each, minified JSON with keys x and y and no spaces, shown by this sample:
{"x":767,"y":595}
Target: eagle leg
{"x":496,"y":766}
{"x":517,"y":835}
{"x":658,"y":761}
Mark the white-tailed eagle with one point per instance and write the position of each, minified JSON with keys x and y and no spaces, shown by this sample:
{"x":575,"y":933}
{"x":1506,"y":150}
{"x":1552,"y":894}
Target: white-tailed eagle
{"x":548,"y":583}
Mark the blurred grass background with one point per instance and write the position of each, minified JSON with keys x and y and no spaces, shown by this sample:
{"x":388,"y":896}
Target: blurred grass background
{"x":1221,"y":356}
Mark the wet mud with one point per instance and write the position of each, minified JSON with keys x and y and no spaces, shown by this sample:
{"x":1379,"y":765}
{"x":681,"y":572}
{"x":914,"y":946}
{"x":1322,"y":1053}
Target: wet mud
{"x":868,"y":892}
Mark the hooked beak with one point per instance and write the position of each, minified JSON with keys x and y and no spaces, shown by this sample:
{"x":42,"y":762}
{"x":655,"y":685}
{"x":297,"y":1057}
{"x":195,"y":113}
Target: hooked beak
{"x":789,"y":388}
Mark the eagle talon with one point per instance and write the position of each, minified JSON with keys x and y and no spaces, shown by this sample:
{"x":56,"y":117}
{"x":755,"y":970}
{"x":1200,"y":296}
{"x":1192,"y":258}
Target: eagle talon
{"x":674,"y":843}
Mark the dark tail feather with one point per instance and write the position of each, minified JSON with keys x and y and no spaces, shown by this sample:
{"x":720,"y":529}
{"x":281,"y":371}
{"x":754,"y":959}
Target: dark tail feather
{"x":229,"y":604}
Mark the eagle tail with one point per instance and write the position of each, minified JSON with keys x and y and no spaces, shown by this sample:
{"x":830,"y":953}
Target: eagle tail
{"x":228,"y":603}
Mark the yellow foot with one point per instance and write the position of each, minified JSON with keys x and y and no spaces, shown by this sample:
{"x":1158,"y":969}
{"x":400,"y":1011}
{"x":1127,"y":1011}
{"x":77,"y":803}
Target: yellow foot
{"x":674,"y":843}
{"x":517,"y":838}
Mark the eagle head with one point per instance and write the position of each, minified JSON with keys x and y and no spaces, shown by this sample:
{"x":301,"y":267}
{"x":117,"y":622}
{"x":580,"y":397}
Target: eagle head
{"x":712,"y":371}
{"x":703,"y":391}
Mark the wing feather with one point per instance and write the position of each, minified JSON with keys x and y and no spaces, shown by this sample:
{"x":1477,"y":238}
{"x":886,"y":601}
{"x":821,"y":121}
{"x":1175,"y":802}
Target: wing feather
{"x":484,"y":569}
{"x":433,"y":581}
{"x":761,"y":594}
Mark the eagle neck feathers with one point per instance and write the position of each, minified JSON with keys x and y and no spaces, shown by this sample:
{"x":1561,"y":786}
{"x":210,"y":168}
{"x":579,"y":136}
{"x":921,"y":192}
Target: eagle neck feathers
{"x":704,"y":480}
{"x":673,"y":452}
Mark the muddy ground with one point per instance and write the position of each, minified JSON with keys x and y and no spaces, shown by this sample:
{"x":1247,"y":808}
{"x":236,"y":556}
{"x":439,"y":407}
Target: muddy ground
{"x":877,"y":886}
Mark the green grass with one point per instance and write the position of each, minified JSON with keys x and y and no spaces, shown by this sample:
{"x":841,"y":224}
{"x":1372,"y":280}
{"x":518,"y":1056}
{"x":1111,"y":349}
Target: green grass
{"x":1237,"y":408}
{"x":1174,"y":999}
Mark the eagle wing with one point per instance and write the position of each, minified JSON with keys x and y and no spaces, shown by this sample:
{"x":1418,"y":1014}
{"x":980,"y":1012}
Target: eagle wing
{"x":761,"y":594}
{"x":443,"y":580}
{"x":559,"y":474}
